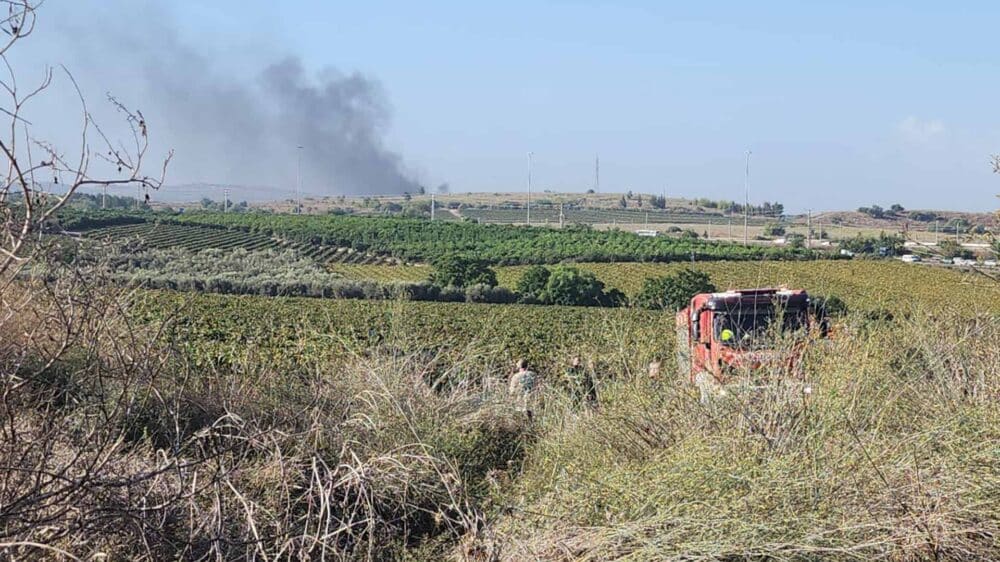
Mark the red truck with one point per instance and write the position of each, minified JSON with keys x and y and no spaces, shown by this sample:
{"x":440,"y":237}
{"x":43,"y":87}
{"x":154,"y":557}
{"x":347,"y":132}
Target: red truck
{"x":722,"y":334}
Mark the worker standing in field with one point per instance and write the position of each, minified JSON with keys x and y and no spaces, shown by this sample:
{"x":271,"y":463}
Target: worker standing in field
{"x":656,"y":371}
{"x":580,"y":381}
{"x":522,"y":386}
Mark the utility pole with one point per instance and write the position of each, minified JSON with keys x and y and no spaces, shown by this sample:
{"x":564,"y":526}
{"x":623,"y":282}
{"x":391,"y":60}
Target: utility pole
{"x":432,"y":206}
{"x":138,"y":195}
{"x":597,"y":174}
{"x":530,"y":154}
{"x":746,"y":203}
{"x":225,"y":207}
{"x":730,"y":227}
{"x":298,"y":181}
{"x":104,"y":198}
{"x":937,"y":233}
{"x":809,"y":228}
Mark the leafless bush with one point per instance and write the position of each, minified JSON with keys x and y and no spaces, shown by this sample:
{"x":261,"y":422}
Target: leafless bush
{"x":115,"y":442}
{"x":61,"y":473}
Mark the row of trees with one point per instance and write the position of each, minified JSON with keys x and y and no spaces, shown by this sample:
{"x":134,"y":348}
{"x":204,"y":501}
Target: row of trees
{"x":884,"y":245}
{"x":570,"y":286}
{"x":561,"y":284}
{"x":212,"y":205}
{"x":455,"y":279}
{"x":878,"y":212}
{"x":422,"y":241}
{"x":766,"y":209}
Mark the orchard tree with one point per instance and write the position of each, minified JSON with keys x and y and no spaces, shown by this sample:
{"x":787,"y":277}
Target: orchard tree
{"x":453,"y":270}
{"x":774,"y":229}
{"x":570,"y":286}
{"x":673,"y":292}
{"x":532,"y":284}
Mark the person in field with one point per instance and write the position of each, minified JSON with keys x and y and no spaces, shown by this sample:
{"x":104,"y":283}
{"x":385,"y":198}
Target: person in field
{"x":656,"y":370}
{"x":522,"y":386}
{"x":580,"y":382}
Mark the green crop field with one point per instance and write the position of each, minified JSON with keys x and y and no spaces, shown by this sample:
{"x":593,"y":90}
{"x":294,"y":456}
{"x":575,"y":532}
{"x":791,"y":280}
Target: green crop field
{"x":417,"y":240}
{"x":384,"y":273}
{"x":290,"y":327}
{"x":380,"y":240}
{"x":221,"y":329}
{"x":860,"y":283}
{"x":166,"y":234}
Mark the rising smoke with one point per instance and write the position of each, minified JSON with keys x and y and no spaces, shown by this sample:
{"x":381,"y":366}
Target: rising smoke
{"x":242,"y":128}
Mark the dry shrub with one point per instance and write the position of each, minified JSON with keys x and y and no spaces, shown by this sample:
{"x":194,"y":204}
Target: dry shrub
{"x":115,"y":442}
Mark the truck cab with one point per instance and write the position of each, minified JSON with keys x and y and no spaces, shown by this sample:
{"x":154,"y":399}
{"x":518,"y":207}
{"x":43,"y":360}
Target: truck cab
{"x":720,"y":334}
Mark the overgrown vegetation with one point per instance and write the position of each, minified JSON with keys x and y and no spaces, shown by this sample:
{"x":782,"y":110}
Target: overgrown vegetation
{"x":137,"y":443}
{"x":402,"y":440}
{"x":882,"y":459}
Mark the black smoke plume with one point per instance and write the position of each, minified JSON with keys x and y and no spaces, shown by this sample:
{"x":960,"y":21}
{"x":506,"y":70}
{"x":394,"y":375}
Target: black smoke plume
{"x":233,"y":128}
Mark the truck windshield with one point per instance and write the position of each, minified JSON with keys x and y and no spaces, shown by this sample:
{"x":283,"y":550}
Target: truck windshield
{"x":750,"y":329}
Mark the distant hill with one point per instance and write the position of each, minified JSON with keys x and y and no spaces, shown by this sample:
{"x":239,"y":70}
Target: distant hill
{"x":913,"y":219}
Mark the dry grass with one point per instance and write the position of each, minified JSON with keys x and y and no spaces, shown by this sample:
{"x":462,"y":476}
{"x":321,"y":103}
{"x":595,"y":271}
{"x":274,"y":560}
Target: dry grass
{"x":114,"y":442}
{"x":121,"y":447}
{"x":892,"y":456}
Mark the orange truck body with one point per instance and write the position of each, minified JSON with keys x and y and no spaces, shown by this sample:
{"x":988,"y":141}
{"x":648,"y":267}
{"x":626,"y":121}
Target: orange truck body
{"x":705,"y":348}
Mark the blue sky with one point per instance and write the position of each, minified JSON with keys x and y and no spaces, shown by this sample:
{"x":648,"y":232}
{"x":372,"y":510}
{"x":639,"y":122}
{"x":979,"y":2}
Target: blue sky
{"x":843,"y":104}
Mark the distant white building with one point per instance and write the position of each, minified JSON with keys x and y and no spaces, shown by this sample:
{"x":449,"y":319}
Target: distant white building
{"x":649,"y":233}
